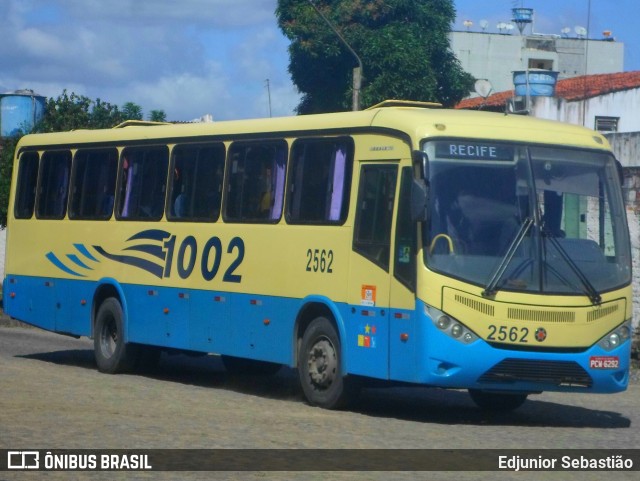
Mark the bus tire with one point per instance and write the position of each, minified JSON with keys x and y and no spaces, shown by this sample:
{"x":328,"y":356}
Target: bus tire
{"x":242,"y":366}
{"x":497,"y":401}
{"x":320,"y":367}
{"x":112,"y":354}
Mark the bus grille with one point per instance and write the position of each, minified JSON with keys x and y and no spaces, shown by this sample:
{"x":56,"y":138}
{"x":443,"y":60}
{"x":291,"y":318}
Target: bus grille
{"x":559,"y":373}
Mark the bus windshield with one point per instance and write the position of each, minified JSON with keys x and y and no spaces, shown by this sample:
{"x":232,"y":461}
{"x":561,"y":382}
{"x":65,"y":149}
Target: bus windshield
{"x":526,"y":218}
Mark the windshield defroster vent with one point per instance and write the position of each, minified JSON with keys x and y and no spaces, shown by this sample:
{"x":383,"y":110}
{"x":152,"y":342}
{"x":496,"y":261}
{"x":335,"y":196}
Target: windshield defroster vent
{"x":518,"y":314}
{"x":476,"y":305}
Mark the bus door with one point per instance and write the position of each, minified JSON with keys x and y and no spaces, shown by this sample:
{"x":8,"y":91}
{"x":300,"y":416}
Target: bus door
{"x":404,"y":327}
{"x":367,"y":329}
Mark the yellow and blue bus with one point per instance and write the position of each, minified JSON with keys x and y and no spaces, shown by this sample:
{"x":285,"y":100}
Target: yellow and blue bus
{"x":404,"y":243}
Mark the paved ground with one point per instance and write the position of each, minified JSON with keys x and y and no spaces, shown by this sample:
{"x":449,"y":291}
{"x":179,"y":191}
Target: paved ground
{"x":52,"y":397}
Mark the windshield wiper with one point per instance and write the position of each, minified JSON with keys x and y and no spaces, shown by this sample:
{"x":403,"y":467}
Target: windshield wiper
{"x":492,"y":286}
{"x":592,"y":293}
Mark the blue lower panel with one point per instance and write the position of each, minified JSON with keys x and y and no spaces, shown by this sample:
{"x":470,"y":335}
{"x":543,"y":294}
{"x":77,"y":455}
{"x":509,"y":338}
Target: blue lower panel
{"x":54,"y":304}
{"x":257,"y":327}
{"x":446,"y":362}
{"x":253,"y":326}
{"x":366,"y":345}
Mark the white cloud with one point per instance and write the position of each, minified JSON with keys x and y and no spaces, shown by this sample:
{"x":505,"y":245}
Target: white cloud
{"x":211,"y":13}
{"x":187,"y":58}
{"x":38,"y":44}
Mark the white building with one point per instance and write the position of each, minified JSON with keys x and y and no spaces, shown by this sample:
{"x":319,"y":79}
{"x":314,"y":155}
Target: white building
{"x":494,"y":56}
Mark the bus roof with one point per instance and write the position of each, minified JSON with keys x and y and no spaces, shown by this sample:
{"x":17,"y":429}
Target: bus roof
{"x":412,"y":121}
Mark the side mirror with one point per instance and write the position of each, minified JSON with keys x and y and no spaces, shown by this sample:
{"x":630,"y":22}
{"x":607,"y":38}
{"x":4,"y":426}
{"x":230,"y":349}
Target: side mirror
{"x":419,"y":201}
{"x":421,"y":165}
{"x":420,"y":187}
{"x":620,"y":172}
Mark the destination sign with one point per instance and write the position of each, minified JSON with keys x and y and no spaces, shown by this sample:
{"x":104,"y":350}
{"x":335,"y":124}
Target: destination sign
{"x":473,"y":151}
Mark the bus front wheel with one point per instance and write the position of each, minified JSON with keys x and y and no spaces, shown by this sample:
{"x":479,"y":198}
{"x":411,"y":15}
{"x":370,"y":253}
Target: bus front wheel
{"x":497,"y":401}
{"x":320,"y":367}
{"x":112,"y":354}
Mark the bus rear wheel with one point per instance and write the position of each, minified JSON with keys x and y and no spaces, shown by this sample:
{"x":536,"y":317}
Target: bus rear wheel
{"x":112,"y":354}
{"x":497,"y":401}
{"x":320,"y":367}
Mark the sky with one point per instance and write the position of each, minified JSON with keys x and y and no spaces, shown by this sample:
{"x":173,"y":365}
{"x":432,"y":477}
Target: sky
{"x":225,"y":58}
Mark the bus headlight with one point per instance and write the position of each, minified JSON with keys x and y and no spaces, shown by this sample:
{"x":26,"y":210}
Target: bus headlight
{"x":456,"y":330}
{"x":443,"y":322}
{"x":450,"y":326}
{"x":615,"y":338}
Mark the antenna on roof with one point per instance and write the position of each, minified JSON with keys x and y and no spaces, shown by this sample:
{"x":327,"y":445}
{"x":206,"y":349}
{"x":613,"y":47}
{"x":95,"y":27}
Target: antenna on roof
{"x":483,"y":88}
{"x":565,"y":32}
{"x":468,"y":24}
{"x":580,"y":31}
{"x":484,"y":24}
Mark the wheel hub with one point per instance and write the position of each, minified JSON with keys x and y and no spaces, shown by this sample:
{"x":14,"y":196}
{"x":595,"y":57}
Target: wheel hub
{"x":322,"y":363}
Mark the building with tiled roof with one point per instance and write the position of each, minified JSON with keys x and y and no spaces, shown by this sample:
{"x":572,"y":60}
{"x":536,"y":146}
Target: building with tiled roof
{"x":571,"y":89}
{"x":605,"y":102}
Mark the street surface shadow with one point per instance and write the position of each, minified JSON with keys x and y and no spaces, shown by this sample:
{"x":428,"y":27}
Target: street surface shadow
{"x":443,"y":406}
{"x":418,"y":404}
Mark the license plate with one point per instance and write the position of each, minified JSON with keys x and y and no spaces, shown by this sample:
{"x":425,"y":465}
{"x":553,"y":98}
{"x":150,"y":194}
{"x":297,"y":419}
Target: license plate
{"x":604,"y":362}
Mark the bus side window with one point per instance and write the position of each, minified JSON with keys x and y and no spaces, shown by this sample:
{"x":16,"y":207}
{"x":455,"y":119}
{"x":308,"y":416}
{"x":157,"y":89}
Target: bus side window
{"x":197,"y":173}
{"x":26,"y":185}
{"x":93,"y":184}
{"x":255,"y":183}
{"x":376,"y":193}
{"x":53,"y":187}
{"x":320,"y":181}
{"x":143,"y":174}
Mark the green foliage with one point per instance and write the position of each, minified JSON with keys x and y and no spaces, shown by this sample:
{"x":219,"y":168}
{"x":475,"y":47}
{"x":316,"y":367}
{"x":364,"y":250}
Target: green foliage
{"x":72,"y":112}
{"x":158,"y":116}
{"x":6,"y":168}
{"x":403,"y":44}
{"x":132,"y":111}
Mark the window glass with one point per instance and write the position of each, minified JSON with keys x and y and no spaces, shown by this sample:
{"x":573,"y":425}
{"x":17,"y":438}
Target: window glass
{"x":26,"y":185}
{"x":142,"y":183}
{"x":372,"y":235}
{"x":196,"y":182}
{"x":93,"y":184}
{"x":526,"y":218}
{"x":255,"y":185}
{"x":320,"y":181}
{"x":54,"y":185}
{"x":405,"y":247}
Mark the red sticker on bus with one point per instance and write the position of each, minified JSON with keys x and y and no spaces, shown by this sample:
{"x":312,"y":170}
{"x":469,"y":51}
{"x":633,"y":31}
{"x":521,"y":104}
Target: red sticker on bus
{"x":604,"y":362}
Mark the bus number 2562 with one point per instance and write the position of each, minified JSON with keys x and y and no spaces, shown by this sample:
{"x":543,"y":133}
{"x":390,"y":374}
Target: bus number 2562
{"x":320,"y":260}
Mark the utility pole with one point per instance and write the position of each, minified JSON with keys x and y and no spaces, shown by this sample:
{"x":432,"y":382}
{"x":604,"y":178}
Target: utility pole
{"x":357,"y":71}
{"x":269,"y":95}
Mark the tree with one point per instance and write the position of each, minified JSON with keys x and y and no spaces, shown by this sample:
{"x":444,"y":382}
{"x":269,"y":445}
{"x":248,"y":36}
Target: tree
{"x":158,"y":116}
{"x":6,"y":168}
{"x":72,"y":112}
{"x":132,"y":111}
{"x":403,"y":44}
